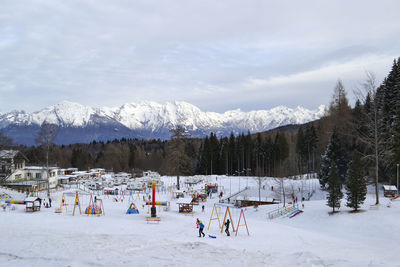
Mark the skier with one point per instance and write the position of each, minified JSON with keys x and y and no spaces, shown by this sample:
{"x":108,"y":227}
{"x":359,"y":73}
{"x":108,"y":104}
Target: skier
{"x":227,"y":227}
{"x":200,"y":225}
{"x":50,"y":202}
{"x":202,"y":208}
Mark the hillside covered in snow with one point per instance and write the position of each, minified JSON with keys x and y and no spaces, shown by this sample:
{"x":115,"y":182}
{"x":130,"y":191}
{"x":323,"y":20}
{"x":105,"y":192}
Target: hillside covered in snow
{"x":79,"y":123}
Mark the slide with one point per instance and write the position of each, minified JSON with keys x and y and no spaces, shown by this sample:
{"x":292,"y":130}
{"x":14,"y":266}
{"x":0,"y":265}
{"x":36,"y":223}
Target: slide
{"x":396,"y":197}
{"x":297,"y":213}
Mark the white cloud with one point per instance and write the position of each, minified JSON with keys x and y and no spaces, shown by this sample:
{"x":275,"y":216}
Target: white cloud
{"x":7,"y":87}
{"x":106,"y":53}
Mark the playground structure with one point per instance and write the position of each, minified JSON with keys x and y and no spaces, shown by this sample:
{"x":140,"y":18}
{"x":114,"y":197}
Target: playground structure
{"x":288,"y":211}
{"x":132,"y":209}
{"x":132,"y":198}
{"x":153,"y":217}
{"x":31,"y":203}
{"x":228,"y":212}
{"x":64,"y":202}
{"x":185,"y":205}
{"x":95,"y":207}
{"x":389,"y":191}
{"x":177,"y":194}
{"x":165,"y":204}
{"x":394,"y":198}
{"x":119,"y":196}
{"x":213,"y":188}
{"x":198,"y":197}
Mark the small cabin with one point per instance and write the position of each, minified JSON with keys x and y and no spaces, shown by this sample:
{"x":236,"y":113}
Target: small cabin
{"x":179,"y":194}
{"x":32,"y":204}
{"x":389,"y":190}
{"x":185,"y":205}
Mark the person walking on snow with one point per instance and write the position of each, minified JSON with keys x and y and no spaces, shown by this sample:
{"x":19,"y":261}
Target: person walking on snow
{"x":227,"y":227}
{"x":200,"y":225}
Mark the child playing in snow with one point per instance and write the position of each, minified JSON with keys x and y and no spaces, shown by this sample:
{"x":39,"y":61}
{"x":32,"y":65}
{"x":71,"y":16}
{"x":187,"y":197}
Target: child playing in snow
{"x":200,"y":225}
{"x":227,"y":227}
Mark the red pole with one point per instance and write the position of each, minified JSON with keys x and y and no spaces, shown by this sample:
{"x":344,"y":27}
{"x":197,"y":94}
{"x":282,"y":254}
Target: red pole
{"x":153,"y":204}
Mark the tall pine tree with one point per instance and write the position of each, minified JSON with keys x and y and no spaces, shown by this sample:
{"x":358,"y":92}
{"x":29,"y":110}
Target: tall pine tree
{"x":334,"y":192}
{"x":356,"y":185}
{"x":335,"y":153}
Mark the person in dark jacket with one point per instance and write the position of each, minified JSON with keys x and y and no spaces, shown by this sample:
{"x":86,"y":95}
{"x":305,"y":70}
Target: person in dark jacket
{"x":227,"y":227}
{"x":50,"y":202}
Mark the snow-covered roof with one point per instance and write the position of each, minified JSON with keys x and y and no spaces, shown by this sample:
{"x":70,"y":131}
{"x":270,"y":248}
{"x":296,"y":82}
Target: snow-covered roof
{"x":178,"y":191}
{"x":63,"y":177}
{"x":390,"y":187}
{"x":31,"y":199}
{"x":80,"y":173}
{"x":97,"y":170}
{"x":33,"y":168}
{"x":184,"y":200}
{"x":26,"y":183}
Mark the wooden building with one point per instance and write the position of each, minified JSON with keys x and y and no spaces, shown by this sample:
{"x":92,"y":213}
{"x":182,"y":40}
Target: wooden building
{"x":389,"y":190}
{"x":185,"y":205}
{"x":32,"y":204}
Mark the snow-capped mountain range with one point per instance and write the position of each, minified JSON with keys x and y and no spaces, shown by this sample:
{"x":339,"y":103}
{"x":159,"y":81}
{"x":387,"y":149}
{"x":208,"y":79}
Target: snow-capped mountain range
{"x":79,"y":123}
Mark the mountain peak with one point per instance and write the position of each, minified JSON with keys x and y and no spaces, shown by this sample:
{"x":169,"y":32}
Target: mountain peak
{"x":154,"y":120}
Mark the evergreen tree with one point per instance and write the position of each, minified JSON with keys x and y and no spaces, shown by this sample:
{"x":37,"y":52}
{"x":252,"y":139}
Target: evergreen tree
{"x":356,"y":185}
{"x":232,"y":154}
{"x":214,"y":153}
{"x":335,"y":153}
{"x":205,"y":156}
{"x":300,"y":149}
{"x":334,"y":192}
{"x":310,"y":145}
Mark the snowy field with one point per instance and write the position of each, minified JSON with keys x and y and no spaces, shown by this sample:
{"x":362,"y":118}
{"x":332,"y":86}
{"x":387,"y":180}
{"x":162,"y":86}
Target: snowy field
{"x":313,"y":238}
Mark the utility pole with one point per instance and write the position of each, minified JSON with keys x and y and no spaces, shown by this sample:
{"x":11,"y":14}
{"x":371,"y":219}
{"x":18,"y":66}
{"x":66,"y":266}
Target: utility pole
{"x":397,"y":178}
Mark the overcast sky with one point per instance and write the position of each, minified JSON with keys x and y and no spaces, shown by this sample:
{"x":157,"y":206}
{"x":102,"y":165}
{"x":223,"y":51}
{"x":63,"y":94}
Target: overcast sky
{"x":217,"y":55}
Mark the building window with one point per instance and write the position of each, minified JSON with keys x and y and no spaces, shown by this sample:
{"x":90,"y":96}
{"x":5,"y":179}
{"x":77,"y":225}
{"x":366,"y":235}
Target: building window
{"x":38,"y":176}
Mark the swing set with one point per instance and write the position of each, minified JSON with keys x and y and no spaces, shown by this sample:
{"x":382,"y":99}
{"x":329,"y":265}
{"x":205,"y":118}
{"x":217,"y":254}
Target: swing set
{"x":65,"y":204}
{"x":133,"y":198}
{"x":95,"y":207}
{"x":228,"y":212}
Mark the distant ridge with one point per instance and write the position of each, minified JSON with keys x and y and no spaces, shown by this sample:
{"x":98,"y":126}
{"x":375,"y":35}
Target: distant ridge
{"x":82,"y":124}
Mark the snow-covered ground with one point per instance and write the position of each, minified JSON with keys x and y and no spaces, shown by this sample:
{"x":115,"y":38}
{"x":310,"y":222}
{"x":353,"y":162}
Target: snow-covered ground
{"x":313,"y":238}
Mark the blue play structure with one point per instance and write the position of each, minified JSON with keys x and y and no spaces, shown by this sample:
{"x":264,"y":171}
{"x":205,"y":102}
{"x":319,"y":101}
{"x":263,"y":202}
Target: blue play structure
{"x":132,"y":209}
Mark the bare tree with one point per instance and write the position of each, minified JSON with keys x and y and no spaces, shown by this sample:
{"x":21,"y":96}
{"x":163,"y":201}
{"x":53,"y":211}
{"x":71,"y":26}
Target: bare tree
{"x":177,"y":163}
{"x":5,"y":141}
{"x":371,"y":134}
{"x":260,"y":180}
{"x":45,"y":138}
{"x":179,"y":132}
{"x":280,"y":189}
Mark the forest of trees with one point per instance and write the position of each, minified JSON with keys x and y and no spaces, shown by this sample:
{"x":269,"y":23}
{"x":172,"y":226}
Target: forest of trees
{"x":370,"y":128}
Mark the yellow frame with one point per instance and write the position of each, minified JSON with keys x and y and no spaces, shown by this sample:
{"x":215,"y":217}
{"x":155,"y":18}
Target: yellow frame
{"x":228,"y":210}
{"x":211,"y":218}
